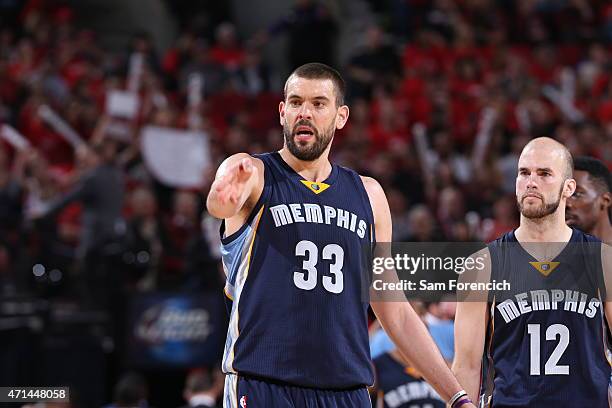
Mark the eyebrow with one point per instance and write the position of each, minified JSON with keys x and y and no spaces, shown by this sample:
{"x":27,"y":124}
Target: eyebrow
{"x":294,"y":96}
{"x":538,"y":169}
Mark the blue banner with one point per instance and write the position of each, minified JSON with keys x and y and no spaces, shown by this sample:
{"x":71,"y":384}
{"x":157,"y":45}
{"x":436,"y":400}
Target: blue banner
{"x":176,"y":330}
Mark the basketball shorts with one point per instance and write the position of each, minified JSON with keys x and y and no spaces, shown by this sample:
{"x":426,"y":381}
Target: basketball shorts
{"x":246,"y":392}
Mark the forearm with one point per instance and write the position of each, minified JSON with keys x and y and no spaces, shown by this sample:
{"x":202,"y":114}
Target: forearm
{"x":223,"y":210}
{"x":235,"y":182}
{"x":413,"y":340}
{"x":469,"y":378}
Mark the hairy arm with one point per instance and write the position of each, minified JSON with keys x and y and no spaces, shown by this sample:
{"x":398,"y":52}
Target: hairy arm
{"x":399,"y":319}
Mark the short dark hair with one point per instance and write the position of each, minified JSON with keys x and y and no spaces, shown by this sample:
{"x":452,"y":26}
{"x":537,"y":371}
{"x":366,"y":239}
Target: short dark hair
{"x":598,"y":172}
{"x":317,"y":70}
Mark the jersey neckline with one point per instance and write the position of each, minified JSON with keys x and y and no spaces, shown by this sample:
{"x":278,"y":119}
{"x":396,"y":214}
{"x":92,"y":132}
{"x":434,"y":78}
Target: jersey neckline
{"x":329,"y":180}
{"x":573,"y":238}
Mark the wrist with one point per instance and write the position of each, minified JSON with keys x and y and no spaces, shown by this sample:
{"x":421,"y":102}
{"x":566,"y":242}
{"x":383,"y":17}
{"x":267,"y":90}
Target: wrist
{"x":458,"y":398}
{"x":462,"y":402}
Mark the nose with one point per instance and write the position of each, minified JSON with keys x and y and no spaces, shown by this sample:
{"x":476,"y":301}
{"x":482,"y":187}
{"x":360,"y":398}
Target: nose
{"x":531,"y":184}
{"x":305,"y":112}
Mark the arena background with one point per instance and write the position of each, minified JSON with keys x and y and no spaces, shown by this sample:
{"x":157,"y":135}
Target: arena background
{"x":110,"y":279}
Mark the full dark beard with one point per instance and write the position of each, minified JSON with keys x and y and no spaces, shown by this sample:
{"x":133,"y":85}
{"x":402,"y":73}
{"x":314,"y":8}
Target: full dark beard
{"x":312,"y":152}
{"x":543,"y":210}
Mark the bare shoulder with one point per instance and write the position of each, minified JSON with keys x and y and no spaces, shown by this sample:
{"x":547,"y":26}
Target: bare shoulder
{"x":373,"y":188}
{"x":380,"y":208}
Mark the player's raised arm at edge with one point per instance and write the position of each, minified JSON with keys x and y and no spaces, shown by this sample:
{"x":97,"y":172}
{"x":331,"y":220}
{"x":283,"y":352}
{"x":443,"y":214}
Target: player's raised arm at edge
{"x":239,"y":180}
{"x":606,"y":266}
{"x":470,"y":329}
{"x":399,"y":319}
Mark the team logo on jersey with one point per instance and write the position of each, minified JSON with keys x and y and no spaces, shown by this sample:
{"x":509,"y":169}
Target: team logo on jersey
{"x":545,"y":268}
{"x":315,"y":187}
{"x":243,"y":400}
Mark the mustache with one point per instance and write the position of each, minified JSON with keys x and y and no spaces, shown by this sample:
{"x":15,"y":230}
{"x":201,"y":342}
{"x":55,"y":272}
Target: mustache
{"x":532,"y":193}
{"x":304,"y":122}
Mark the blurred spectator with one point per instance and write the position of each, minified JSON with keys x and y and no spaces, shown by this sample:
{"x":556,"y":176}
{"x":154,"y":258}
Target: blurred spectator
{"x":131,"y":391}
{"x":376,"y":64}
{"x":505,"y":218}
{"x":144,"y":246}
{"x":451,"y":208}
{"x":254,"y":75}
{"x":100,"y":191}
{"x":227,"y":51}
{"x":141,"y":44}
{"x":180,"y":229}
{"x":11,"y":196}
{"x":202,"y":390}
{"x":399,"y":214}
{"x":397,"y":383}
{"x":422,"y":225}
{"x":199,"y":60}
{"x":445,"y":152}
{"x":312,"y":33}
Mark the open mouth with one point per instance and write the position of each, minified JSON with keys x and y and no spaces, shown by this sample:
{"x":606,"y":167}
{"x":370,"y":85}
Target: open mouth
{"x":304,"y":134}
{"x":304,"y":131}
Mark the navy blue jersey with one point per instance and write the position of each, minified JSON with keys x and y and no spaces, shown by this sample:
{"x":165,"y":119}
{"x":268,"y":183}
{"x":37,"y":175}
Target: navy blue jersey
{"x":401,"y":387}
{"x":547,"y":343}
{"x":294,"y":273}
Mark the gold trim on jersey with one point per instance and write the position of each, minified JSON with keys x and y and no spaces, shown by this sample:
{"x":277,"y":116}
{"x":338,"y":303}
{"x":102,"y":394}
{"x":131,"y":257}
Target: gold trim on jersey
{"x":315,"y":187}
{"x":545,"y":268}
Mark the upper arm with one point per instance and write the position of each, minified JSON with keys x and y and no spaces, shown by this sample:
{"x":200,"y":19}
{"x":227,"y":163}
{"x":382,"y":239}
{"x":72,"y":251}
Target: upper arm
{"x":380,"y":209}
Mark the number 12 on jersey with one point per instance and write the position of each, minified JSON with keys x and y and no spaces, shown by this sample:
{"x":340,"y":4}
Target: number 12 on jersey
{"x":307,"y":279}
{"x":552,"y":332}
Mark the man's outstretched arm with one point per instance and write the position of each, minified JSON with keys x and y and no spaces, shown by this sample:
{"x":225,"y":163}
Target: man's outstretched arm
{"x":399,"y":319}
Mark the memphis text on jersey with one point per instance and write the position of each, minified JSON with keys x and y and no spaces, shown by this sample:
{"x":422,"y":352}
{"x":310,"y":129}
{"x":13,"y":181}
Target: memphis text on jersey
{"x":554,"y":299}
{"x":285,"y":214}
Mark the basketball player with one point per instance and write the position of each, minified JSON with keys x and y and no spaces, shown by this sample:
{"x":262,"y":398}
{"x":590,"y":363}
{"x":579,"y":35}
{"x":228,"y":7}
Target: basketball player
{"x":545,"y":336}
{"x":590,"y":208}
{"x":294,"y":230}
{"x":398,"y":384}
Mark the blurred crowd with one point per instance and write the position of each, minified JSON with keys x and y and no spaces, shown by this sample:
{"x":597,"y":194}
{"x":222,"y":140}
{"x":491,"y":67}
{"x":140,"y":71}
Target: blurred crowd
{"x":443,"y":96}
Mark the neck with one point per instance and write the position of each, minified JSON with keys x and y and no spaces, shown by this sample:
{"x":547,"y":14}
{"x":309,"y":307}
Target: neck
{"x":603,"y":230}
{"x":316,"y":170}
{"x":551,"y":228}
